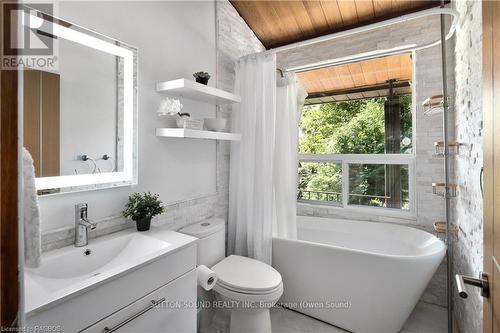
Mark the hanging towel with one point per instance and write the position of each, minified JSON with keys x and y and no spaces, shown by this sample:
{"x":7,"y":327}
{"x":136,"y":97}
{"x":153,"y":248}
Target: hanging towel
{"x":32,"y":233}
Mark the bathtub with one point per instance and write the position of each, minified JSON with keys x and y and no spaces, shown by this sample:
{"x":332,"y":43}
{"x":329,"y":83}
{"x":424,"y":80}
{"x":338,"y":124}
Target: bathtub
{"x":359,"y":276}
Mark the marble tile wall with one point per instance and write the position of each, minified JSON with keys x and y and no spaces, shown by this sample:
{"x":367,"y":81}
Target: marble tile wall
{"x":468,"y":206}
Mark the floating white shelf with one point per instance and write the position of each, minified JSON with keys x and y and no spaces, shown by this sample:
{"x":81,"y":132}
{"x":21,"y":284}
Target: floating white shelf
{"x":197,"y":91}
{"x":196,"y":134}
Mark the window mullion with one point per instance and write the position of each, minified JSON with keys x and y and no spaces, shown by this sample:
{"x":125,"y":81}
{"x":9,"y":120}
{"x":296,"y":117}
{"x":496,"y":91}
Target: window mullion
{"x":345,"y":183}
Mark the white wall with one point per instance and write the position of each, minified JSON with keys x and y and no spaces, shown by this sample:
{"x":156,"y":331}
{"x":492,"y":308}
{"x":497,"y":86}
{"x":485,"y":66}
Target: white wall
{"x":174,"y":39}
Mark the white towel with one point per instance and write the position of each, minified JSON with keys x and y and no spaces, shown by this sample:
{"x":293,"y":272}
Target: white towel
{"x":32,"y":232}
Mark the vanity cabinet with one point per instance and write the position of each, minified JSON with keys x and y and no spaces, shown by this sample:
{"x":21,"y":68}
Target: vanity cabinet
{"x":170,"y":309}
{"x":128,"y":295}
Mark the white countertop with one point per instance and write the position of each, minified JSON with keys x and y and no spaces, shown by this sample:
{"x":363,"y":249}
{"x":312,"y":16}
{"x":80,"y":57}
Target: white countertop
{"x":42,"y":292}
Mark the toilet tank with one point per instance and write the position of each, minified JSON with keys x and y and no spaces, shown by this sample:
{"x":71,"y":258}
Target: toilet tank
{"x":212,"y":240}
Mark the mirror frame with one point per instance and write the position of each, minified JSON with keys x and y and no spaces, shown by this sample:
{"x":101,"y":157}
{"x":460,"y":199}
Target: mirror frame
{"x":127,"y":77}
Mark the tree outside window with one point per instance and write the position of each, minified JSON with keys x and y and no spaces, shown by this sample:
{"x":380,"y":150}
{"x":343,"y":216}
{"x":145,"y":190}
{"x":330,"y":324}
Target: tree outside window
{"x":354,"y":127}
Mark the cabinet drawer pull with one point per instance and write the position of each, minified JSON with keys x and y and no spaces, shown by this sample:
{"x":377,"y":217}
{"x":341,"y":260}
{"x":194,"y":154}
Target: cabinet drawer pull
{"x":134,"y":316}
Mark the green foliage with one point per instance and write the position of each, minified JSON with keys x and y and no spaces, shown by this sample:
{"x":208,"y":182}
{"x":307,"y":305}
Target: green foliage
{"x":201,"y":75}
{"x":324,"y":177}
{"x":362,"y":134}
{"x":143,"y":205}
{"x":353,"y":127}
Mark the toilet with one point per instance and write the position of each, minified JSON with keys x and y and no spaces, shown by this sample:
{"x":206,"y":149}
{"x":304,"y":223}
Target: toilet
{"x":246,"y":287}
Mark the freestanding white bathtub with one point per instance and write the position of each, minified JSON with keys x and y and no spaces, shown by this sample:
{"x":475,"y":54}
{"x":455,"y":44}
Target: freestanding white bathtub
{"x":360,"y":276}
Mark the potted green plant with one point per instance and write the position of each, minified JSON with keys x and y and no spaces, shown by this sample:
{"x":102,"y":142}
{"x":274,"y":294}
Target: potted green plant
{"x":202,"y":77}
{"x":141,"y":207}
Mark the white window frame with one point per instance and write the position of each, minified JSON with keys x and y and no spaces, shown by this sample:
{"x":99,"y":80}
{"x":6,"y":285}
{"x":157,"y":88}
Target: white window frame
{"x":346,"y":159}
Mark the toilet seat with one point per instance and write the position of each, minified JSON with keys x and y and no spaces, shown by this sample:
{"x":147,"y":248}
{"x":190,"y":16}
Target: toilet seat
{"x":240,"y":296}
{"x":248,"y":288}
{"x":246,"y":275}
{"x":248,"y":292}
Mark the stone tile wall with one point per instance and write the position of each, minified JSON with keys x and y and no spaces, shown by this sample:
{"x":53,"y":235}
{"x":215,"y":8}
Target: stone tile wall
{"x":468,"y":206}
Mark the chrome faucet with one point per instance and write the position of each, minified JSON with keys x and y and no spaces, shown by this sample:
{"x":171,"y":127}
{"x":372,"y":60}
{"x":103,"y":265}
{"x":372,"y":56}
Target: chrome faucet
{"x":82,"y":225}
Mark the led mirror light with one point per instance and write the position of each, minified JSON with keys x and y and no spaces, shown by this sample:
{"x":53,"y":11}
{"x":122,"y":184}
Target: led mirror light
{"x":127,"y":175}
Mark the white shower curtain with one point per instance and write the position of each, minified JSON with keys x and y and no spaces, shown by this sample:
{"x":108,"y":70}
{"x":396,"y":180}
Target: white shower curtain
{"x":251,"y":172}
{"x":263,"y":171}
{"x":290,"y":96}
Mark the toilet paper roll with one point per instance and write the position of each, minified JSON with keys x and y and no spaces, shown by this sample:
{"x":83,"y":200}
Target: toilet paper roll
{"x":206,"y":277}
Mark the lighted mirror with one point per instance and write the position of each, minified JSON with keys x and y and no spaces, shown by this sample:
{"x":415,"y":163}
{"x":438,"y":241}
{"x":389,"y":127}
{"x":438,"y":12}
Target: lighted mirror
{"x":80,"y":113}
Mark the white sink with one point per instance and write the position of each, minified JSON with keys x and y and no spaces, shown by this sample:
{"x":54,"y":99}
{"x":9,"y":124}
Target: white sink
{"x":97,"y":257}
{"x":69,"y":270}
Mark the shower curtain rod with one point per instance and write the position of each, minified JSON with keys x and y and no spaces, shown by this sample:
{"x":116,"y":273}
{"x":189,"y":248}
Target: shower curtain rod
{"x":366,"y":28}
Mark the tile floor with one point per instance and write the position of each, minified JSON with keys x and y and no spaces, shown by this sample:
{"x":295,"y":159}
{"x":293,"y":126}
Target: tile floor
{"x":426,"y":318}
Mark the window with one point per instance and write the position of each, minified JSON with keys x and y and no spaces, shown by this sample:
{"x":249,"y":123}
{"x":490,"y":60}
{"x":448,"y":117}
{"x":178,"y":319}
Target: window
{"x":356,"y":144}
{"x":320,"y":181}
{"x":369,"y":185}
{"x":357,"y":153}
{"x":357,"y":127}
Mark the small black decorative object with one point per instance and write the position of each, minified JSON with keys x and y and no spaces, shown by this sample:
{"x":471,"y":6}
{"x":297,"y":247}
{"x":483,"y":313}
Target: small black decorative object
{"x":202,"y":77}
{"x":141,"y":207}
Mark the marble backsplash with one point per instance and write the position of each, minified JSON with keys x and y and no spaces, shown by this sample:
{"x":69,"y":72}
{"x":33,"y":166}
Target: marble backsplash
{"x":177,"y":215}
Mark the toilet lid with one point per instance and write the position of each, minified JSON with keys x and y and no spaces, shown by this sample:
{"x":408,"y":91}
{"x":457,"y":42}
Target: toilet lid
{"x":245,"y":274}
{"x":204,"y":228}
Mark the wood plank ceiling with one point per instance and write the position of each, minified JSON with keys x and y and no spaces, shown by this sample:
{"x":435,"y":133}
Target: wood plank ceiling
{"x":366,"y":76}
{"x":278,"y":23}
